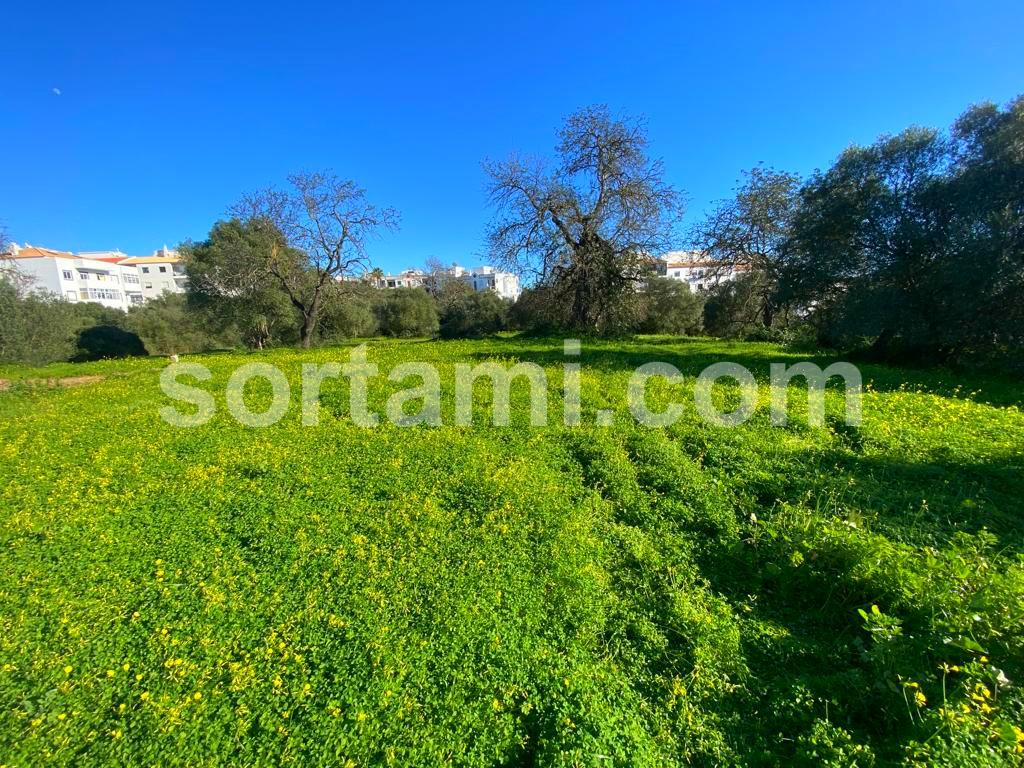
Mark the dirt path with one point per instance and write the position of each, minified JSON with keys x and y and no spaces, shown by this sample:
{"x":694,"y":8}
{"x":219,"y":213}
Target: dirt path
{"x":51,"y":383}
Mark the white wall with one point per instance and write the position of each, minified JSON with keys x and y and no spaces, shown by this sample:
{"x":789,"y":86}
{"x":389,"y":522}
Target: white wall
{"x":699,"y":278}
{"x":157,"y":278}
{"x":119,"y":286}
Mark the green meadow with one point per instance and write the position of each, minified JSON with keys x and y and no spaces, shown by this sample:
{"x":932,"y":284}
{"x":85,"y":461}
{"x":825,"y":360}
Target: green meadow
{"x":511,"y":595}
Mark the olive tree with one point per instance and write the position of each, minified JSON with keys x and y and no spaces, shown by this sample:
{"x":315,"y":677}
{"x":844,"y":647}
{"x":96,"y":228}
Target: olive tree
{"x":586,"y":225}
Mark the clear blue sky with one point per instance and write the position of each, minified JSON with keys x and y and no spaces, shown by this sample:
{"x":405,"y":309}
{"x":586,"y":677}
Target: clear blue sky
{"x":169,"y":111}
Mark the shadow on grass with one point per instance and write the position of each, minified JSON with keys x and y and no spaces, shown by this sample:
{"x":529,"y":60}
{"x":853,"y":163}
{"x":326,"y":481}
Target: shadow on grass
{"x":692,"y":355}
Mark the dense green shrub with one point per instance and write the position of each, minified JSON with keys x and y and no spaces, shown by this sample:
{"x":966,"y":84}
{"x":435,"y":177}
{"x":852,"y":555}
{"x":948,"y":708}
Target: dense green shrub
{"x":543,"y":310}
{"x":407,"y":312}
{"x":35,"y":328}
{"x":669,"y":306}
{"x":733,"y":309}
{"x":474,"y":315}
{"x":167,"y":326}
{"x":533,"y":311}
{"x":349,"y":313}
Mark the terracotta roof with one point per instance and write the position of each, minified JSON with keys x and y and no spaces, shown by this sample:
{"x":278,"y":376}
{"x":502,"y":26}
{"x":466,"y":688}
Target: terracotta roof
{"x":35,"y":252}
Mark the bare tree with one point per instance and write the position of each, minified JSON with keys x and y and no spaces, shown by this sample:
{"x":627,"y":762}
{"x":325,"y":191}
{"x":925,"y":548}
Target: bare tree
{"x":750,"y":234}
{"x":586,"y":229}
{"x":326,"y":223}
{"x":7,"y":269}
{"x":438,"y":276}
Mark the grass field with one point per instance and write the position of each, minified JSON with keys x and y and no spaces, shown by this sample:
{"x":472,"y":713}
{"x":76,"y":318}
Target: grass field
{"x":500,"y":596}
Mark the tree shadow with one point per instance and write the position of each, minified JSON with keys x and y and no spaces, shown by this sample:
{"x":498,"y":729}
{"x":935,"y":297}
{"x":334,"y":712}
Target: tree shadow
{"x":691,"y":356}
{"x":930,"y":501}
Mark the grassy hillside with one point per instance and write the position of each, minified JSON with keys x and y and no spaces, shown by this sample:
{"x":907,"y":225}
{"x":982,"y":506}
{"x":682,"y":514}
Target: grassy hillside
{"x":485,"y":596}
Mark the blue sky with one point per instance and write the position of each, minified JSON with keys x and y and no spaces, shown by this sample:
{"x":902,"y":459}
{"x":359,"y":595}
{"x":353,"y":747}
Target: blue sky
{"x":168,"y":112}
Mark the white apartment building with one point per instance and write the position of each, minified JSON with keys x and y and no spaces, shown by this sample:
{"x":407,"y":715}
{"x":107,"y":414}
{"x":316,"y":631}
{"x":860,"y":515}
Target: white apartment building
{"x":110,"y":278}
{"x":505,"y":284}
{"x":160,"y":273}
{"x":696,"y":270}
{"x":408,"y":278}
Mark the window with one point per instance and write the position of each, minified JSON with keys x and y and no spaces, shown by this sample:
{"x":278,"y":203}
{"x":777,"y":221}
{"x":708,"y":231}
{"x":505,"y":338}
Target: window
{"x":163,"y":268}
{"x":68,"y":275}
{"x":131,"y":279}
{"x":83,"y":275}
{"x":72,"y":296}
{"x":145,"y":270}
{"x":148,"y":286}
{"x":104,"y":293}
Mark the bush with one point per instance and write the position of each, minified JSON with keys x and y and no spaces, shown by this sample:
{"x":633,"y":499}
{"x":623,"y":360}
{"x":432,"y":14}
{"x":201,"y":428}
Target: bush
{"x":732,"y":308}
{"x":35,"y":328}
{"x":532,"y":312}
{"x":407,"y":312}
{"x":350,"y":313}
{"x":474,"y":315}
{"x":671,"y":307}
{"x":167,"y":327}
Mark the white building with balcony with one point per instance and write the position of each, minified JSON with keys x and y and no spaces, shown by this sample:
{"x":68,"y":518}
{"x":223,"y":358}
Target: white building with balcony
{"x":505,"y":284}
{"x":160,"y":273}
{"x":110,"y":278}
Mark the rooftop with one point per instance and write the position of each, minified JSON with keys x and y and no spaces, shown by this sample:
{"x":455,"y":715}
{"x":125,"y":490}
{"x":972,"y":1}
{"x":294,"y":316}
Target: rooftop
{"x":162,"y":256}
{"x":36,"y":252}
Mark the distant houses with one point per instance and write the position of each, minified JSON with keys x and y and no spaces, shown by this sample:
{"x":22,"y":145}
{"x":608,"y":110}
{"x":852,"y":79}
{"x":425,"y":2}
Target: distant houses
{"x":110,"y":278}
{"x":690,"y":267}
{"x":505,"y":284}
{"x":696,"y":270}
{"x":117,"y":280}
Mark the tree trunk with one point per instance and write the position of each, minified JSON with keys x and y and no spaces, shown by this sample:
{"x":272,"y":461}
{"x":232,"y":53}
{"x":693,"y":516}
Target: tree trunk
{"x":309,"y":319}
{"x":306,"y":332}
{"x":768,"y":313}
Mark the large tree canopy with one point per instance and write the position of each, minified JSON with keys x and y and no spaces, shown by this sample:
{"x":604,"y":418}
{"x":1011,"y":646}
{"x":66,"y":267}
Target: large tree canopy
{"x":230,"y":281}
{"x":987,"y":195}
{"x":870,"y":232}
{"x":916,"y":242}
{"x":587,"y":226}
